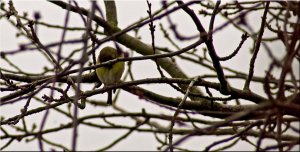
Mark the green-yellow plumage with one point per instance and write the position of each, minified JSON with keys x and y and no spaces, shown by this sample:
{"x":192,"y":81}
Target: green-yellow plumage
{"x":110,"y":74}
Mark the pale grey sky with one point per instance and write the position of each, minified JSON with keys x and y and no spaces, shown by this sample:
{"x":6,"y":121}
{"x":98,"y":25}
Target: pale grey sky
{"x":128,"y":12}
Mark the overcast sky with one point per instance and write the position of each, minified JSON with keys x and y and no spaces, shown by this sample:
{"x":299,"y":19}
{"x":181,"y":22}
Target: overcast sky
{"x":128,"y":12}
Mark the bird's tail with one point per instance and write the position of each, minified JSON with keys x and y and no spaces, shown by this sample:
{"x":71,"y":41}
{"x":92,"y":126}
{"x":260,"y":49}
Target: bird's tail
{"x":109,"y":97}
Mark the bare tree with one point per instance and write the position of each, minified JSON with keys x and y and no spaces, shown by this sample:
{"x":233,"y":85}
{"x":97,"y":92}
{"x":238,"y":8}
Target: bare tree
{"x":235,"y":104}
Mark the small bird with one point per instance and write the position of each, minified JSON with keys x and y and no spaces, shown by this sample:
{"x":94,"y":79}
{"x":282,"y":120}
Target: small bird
{"x":112,"y":73}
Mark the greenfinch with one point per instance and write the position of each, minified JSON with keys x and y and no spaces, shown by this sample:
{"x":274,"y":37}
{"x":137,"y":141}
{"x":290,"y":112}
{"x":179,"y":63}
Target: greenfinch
{"x":112,"y":73}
